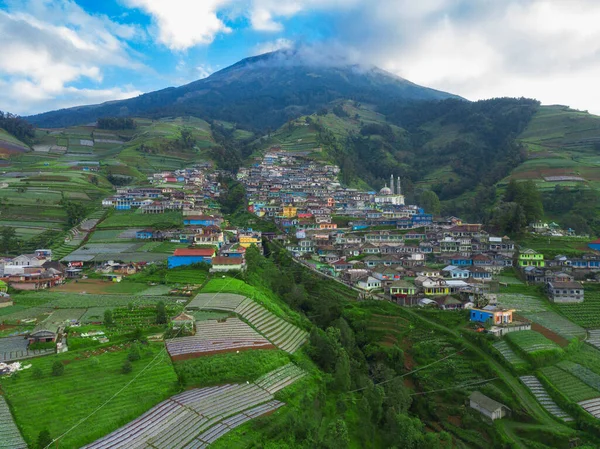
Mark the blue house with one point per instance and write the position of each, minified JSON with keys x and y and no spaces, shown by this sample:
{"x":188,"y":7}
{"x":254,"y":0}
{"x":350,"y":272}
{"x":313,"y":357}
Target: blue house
{"x":595,"y":245}
{"x":459,"y":261}
{"x":481,"y":316}
{"x":199,"y":220}
{"x":144,"y":235}
{"x":182,"y":257}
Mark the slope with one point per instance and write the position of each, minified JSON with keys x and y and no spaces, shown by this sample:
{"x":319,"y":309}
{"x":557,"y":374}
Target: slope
{"x":258,"y":92}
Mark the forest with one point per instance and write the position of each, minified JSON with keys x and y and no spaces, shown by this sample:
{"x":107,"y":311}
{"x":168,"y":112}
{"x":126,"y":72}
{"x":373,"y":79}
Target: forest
{"x":17,"y":126}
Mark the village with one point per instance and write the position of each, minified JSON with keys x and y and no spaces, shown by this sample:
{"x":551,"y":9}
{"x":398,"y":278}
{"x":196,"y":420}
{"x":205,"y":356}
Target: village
{"x":147,"y":263}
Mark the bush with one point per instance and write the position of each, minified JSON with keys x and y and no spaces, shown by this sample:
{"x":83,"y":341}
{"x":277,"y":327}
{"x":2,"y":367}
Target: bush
{"x":58,"y":369}
{"x":134,"y":354}
{"x":37,"y":373}
{"x":44,"y":439}
{"x":42,"y":345}
{"x":127,"y":367}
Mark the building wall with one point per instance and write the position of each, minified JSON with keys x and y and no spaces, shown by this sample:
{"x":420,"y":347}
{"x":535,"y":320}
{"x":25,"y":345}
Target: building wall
{"x":180,"y":261}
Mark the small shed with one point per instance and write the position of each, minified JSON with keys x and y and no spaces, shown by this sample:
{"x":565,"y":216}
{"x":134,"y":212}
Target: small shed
{"x":487,"y":406}
{"x":182,"y":320}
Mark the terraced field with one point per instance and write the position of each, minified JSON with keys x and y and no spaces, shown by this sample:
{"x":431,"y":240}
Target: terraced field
{"x":511,"y":356}
{"x":531,"y":342}
{"x":10,"y":437}
{"x":592,"y":406}
{"x":594,"y":338}
{"x":582,"y":373}
{"x":216,"y":336}
{"x":569,"y":385}
{"x":540,"y":393}
{"x":557,"y":324}
{"x":282,"y":334}
{"x":522,"y":303}
{"x":198,"y":417}
{"x":586,"y":314}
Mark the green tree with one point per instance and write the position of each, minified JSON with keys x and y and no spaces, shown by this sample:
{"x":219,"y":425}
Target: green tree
{"x":429,"y":201}
{"x":337,"y":435}
{"x":161,"y":313}
{"x":44,"y":439}
{"x":58,"y":369}
{"x":127,"y":367}
{"x":8,"y":239}
{"x":108,"y":318}
{"x":134,"y":353}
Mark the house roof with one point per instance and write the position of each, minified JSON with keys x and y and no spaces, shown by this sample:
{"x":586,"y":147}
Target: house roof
{"x":204,"y":252}
{"x":183,"y":317}
{"x":560,"y":284}
{"x":486,"y":403}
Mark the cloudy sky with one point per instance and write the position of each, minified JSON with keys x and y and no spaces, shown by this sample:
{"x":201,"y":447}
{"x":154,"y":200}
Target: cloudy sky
{"x":60,"y":53}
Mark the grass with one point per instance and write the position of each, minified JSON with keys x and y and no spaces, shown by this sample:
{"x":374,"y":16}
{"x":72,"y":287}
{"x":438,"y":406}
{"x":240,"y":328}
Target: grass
{"x":59,"y":403}
{"x":230,"y":367}
{"x":123,"y":219}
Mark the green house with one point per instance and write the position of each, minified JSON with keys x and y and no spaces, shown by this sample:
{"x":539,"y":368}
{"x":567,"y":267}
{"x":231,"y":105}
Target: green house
{"x":531,"y":258}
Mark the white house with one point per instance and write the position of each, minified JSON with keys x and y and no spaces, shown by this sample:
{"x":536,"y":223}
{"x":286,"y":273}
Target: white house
{"x":370,"y":283}
{"x":487,"y":406}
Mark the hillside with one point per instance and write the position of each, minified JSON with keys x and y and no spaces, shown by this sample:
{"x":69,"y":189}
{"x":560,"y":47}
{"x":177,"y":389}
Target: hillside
{"x":258,"y":93}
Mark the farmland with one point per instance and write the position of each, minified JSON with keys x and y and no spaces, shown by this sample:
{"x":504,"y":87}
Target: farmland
{"x":125,"y":219}
{"x":511,"y":357}
{"x":558,"y":324}
{"x":534,"y":346}
{"x":569,"y":385}
{"x":86,"y":384}
{"x":587,"y":314}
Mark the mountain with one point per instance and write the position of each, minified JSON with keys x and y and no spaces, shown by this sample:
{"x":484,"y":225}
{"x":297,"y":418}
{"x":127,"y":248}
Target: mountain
{"x":256,"y":93}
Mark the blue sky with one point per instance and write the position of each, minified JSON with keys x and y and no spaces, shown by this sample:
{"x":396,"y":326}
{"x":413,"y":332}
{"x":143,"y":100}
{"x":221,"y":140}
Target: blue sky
{"x":61,"y":53}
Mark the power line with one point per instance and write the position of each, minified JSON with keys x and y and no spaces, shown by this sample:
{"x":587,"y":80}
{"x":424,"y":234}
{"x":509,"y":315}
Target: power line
{"x":410,"y":372}
{"x":472,"y":384}
{"x":81,"y":421}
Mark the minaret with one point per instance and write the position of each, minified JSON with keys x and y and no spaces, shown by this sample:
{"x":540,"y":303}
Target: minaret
{"x":398,"y":186}
{"x":392,"y":184}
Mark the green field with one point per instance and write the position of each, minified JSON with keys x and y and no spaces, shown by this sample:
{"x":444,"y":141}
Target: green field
{"x":569,"y":385}
{"x":530,"y":342}
{"x":587,"y":314}
{"x":87,"y":384}
{"x":124,"y":220}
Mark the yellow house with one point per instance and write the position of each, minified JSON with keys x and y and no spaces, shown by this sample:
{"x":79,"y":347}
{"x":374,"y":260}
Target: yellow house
{"x":246,"y":241}
{"x":433,"y":286}
{"x":289,"y":212}
{"x":531,"y":258}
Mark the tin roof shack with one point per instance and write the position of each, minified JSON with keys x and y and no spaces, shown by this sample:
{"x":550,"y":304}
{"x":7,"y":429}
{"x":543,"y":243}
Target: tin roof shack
{"x":45,"y":333}
{"x":487,"y":406}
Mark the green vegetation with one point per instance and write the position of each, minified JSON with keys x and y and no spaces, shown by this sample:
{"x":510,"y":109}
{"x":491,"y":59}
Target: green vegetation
{"x":535,"y":347}
{"x":229,"y":367}
{"x":123,"y":219}
{"x":587,"y":314}
{"x":569,"y":385}
{"x":82,"y":388}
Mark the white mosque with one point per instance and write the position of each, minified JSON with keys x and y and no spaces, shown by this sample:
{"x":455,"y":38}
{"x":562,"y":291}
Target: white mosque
{"x":389,"y":195}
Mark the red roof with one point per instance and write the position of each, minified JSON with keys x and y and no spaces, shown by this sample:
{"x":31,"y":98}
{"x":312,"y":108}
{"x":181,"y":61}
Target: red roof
{"x":204,"y":252}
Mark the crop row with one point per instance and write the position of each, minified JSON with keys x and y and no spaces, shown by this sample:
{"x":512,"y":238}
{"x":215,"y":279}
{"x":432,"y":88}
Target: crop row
{"x":192,"y":419}
{"x":531,"y":342}
{"x":586,"y":314}
{"x":558,"y":324}
{"x":507,"y":352}
{"x":542,"y":396}
{"x":10,"y":437}
{"x":569,"y":385}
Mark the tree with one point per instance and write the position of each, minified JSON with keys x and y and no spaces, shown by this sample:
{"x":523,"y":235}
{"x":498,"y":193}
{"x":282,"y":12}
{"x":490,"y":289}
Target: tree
{"x":127,"y":367}
{"x":337,"y":435}
{"x":108,"y":318}
{"x":44,"y":439}
{"x":161,"y":313}
{"x":8,"y":239}
{"x":94,"y":180}
{"x":430,"y":202}
{"x":58,"y":369}
{"x":134,"y":354}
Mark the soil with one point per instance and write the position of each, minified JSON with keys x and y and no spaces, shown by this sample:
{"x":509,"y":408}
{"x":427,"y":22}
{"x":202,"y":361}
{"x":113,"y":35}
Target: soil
{"x":409,"y":383}
{"x":560,"y":341}
{"x":455,"y":421}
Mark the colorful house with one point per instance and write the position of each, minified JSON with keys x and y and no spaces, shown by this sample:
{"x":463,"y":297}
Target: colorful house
{"x":184,"y":256}
{"x":289,"y":212}
{"x":595,"y":245}
{"x":402,"y":289}
{"x":531,"y":258}
{"x":200,"y":220}
{"x":249,"y":239}
{"x":492,"y":315}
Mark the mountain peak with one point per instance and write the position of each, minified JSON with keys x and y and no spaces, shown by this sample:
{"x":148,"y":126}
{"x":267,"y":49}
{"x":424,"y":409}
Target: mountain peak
{"x":260,"y":91}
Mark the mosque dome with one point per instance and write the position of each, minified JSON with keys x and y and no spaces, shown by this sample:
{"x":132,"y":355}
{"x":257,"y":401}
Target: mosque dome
{"x":385,"y":191}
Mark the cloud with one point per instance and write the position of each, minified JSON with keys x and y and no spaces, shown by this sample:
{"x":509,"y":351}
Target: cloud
{"x":269,"y":46}
{"x":181,"y":24}
{"x":47,"y":47}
